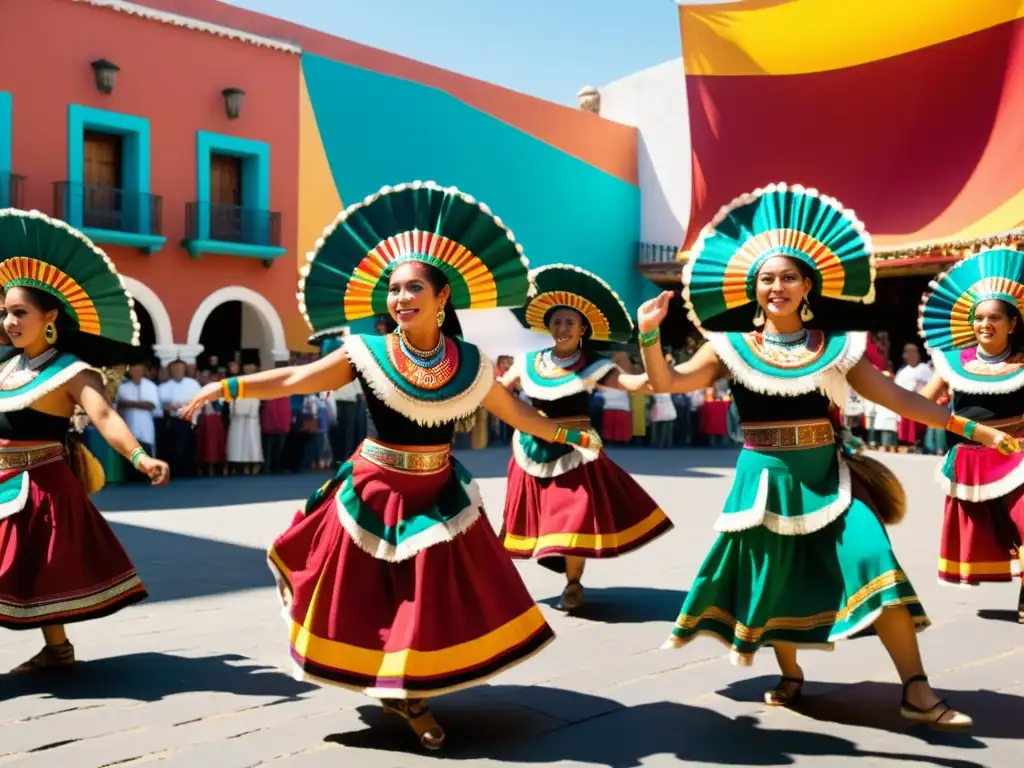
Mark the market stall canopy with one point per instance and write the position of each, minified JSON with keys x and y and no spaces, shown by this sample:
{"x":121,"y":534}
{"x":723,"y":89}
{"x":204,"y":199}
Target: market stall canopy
{"x":909,"y":112}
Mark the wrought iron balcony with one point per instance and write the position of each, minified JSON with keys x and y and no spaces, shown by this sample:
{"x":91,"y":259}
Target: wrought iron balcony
{"x":651,"y":253}
{"x":233,"y":230}
{"x":96,"y":207}
{"x":12,"y":190}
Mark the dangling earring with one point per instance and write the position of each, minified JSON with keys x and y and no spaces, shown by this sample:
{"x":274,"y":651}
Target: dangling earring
{"x":759,"y":317}
{"x":805,"y":311}
{"x":50,"y":333}
{"x":440,"y":317}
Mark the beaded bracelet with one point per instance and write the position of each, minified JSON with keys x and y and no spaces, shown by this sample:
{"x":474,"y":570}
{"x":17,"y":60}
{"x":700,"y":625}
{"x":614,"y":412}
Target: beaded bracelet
{"x":232,"y":388}
{"x":137,"y":455}
{"x":650,"y":338}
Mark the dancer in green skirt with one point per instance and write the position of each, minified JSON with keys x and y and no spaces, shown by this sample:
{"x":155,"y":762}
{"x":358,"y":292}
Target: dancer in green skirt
{"x":802,"y":559}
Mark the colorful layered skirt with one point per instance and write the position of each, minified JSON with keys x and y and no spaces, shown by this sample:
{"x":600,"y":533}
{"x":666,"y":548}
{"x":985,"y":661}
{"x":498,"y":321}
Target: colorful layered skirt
{"x":60,"y":562}
{"x":983,"y":522}
{"x":802,"y":557}
{"x":395,"y":583}
{"x":562,"y":501}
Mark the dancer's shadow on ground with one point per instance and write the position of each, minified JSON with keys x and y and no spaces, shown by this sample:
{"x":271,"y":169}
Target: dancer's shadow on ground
{"x":149,"y":677}
{"x":491,"y":725}
{"x":996,"y":614}
{"x":627,"y":605}
{"x":876,"y":705}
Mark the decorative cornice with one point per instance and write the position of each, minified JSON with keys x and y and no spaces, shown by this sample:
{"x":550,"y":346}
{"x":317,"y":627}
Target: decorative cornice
{"x":164,"y":17}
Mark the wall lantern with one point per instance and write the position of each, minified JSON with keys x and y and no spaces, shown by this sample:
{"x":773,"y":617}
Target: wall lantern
{"x":106,"y":73}
{"x":233,"y":98}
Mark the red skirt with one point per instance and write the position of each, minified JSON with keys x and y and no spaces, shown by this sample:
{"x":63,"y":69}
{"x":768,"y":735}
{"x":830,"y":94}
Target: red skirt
{"x":983,"y":524}
{"x":372,"y":610}
{"x":59,"y":560}
{"x":211,"y":440}
{"x":617,"y":426}
{"x":908,"y":431}
{"x":595,"y":510}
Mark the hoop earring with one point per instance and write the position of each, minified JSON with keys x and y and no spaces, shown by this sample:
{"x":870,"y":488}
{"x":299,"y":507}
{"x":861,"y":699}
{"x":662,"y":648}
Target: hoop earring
{"x":440,"y":317}
{"x":759,"y":317}
{"x":50,"y":333}
{"x":805,"y":311}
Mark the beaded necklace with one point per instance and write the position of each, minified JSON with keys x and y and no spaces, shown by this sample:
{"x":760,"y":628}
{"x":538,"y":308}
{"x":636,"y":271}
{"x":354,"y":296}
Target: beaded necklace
{"x":424,"y":358}
{"x":995,"y":359}
{"x":420,"y":372}
{"x":785,"y":339}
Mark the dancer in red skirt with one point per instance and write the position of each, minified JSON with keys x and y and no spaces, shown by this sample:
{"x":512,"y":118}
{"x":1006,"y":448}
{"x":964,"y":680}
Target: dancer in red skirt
{"x":66,"y":313}
{"x":971,"y":324}
{"x":564,"y":506}
{"x":394,"y":581}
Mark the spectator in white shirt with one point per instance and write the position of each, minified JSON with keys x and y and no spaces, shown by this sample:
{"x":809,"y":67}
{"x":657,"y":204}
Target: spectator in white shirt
{"x":914,"y":375}
{"x":138,"y":403}
{"x":175,"y":393}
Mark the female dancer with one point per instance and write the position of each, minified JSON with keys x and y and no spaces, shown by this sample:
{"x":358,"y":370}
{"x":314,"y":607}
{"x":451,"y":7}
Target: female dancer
{"x":802,"y":559}
{"x":66,"y":313}
{"x":394,"y":582}
{"x":564,"y":506}
{"x":971,"y":324}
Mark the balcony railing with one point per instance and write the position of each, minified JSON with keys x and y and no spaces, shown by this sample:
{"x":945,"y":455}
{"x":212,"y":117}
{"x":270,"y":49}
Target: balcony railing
{"x":649,"y":254}
{"x":106,"y":208}
{"x":12,"y":190}
{"x":232,"y":224}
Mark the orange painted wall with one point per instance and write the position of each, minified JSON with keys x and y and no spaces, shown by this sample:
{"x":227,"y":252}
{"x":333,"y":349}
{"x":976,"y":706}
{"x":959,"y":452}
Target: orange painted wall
{"x":602,"y":143}
{"x":173,"y":77}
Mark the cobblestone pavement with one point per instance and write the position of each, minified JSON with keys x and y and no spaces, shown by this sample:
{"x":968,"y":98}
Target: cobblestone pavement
{"x":192,"y":677}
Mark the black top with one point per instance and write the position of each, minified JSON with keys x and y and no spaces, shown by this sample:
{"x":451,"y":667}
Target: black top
{"x":754,"y":406}
{"x":988,"y":407}
{"x":28,"y":424}
{"x":572,"y":407}
{"x":393,"y":427}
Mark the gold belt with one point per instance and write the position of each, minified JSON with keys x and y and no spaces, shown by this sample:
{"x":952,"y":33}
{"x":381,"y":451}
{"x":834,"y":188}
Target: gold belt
{"x":582,"y":423}
{"x":782,"y":436}
{"x":406,"y":461}
{"x":13,"y":457}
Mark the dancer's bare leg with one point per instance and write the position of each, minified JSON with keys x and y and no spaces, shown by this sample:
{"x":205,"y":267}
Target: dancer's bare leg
{"x":572,"y":595}
{"x":791,"y":685}
{"x":895,"y":627}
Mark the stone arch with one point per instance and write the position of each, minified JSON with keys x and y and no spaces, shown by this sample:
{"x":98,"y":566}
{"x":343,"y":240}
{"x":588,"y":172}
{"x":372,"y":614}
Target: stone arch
{"x":276,"y":348}
{"x":163,"y":345}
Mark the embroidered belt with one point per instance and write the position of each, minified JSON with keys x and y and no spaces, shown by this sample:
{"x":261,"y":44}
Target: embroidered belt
{"x":425,"y":461}
{"x":782,"y":436}
{"x":13,"y":457}
{"x":582,"y":423}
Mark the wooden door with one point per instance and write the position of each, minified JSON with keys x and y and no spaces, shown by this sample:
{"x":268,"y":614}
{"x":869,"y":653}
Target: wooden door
{"x":225,"y":197}
{"x":101,"y":191}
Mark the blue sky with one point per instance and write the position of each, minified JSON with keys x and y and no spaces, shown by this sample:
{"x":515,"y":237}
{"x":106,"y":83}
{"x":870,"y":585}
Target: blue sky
{"x":547,"y":48}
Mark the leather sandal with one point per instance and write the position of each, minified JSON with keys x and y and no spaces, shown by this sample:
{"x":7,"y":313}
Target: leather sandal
{"x":940,"y":716}
{"x":417,"y":714}
{"x":51,"y":658}
{"x":572,"y":596}
{"x":780,"y":697}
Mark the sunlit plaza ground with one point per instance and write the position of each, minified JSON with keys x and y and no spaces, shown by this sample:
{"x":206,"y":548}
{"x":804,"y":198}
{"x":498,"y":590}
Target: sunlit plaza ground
{"x":193,"y":677}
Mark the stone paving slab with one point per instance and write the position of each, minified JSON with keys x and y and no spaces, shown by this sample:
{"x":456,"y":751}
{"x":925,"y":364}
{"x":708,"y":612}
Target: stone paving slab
{"x":194,"y":676}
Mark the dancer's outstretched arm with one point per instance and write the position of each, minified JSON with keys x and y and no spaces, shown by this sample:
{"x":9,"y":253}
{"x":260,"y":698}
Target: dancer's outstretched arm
{"x":700,"y":371}
{"x":324,"y":375}
{"x":528,"y":419}
{"x":873,"y":386}
{"x":88,"y":391}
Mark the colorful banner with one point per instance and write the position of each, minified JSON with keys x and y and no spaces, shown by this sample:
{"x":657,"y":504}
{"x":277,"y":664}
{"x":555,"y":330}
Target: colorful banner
{"x":911,"y":112}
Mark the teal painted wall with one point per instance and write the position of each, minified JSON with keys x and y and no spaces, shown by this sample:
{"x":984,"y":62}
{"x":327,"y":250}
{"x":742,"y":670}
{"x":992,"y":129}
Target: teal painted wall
{"x":380,"y":130}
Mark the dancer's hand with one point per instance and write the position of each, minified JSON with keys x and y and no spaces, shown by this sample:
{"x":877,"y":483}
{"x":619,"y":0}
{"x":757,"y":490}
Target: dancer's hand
{"x":994,"y":438}
{"x":157,"y":471}
{"x":208,"y":394}
{"x":652,"y":312}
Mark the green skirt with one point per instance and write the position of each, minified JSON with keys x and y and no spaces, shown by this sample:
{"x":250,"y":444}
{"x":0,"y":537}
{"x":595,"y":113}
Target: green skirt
{"x":808,"y":585}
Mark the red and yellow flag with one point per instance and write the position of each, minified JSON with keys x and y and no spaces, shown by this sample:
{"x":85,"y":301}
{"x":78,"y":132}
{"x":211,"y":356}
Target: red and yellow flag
{"x":911,"y":112}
